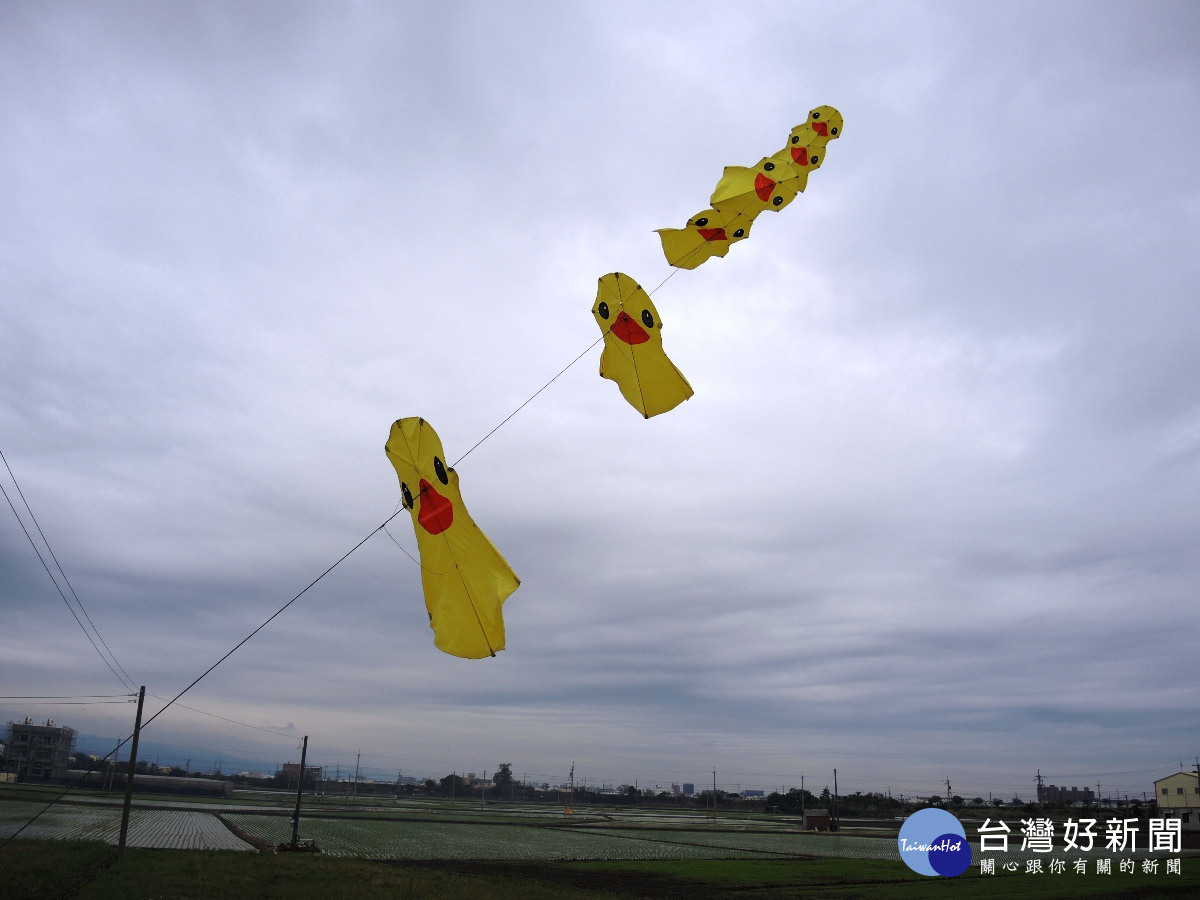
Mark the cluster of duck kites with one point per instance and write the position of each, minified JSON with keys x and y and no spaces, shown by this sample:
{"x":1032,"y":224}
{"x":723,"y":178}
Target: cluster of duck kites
{"x":465,"y":579}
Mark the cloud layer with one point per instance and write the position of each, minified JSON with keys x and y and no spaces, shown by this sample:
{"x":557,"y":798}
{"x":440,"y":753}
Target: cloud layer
{"x":931,"y":512}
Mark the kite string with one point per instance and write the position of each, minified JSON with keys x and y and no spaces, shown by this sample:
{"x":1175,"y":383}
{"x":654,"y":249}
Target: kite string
{"x":269,"y":619}
{"x":410,"y":556}
{"x":529,"y":400}
{"x":674,"y":272}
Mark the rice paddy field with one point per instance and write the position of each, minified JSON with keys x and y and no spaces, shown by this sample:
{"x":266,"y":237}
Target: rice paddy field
{"x":593,"y":852}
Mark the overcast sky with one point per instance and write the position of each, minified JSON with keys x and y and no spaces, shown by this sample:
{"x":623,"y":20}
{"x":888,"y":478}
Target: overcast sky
{"x":932,"y":511}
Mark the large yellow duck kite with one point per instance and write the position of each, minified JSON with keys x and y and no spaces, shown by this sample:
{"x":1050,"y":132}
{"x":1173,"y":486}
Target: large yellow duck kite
{"x":633,"y":354}
{"x":465,"y":578}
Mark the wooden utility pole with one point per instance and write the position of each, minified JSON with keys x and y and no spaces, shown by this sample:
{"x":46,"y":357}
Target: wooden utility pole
{"x":137,"y":732}
{"x":299,"y":794}
{"x":714,"y":794}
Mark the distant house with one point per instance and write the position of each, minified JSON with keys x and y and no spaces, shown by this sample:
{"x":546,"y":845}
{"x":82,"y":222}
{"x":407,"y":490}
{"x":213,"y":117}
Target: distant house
{"x":816,"y":820}
{"x":312,"y":774}
{"x":39,"y":752}
{"x":1067,"y":796}
{"x":1178,"y":797}
{"x":749,"y":793}
{"x":688,"y":789}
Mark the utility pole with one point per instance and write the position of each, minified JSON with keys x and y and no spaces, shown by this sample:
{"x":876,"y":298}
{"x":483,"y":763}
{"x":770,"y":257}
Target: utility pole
{"x":802,"y":822}
{"x":835,"y":801}
{"x":299,"y":794}
{"x":714,"y":794}
{"x":137,"y":732}
{"x":357,"y":760}
{"x":949,"y":793}
{"x":1040,"y":786}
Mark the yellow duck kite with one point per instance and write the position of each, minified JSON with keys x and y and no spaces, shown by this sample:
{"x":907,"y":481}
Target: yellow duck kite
{"x":707,"y":234}
{"x":465,"y":579}
{"x":633,"y":354}
{"x":743,"y":192}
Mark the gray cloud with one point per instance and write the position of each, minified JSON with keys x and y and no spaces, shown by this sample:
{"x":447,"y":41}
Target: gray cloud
{"x":931,"y":510}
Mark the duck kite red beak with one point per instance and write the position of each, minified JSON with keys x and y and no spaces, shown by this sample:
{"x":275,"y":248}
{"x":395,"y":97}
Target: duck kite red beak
{"x":628,"y":330}
{"x":436,"y":513}
{"x":763,"y":187}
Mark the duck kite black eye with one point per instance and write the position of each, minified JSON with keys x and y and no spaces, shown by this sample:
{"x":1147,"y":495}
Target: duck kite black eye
{"x":406,"y":495}
{"x":814,"y":159}
{"x":816,"y":115}
{"x":602,"y":309}
{"x":769,"y":167}
{"x":647,"y":318}
{"x":440,"y":470}
{"x":702,"y":221}
{"x":776,"y":200}
{"x":833,"y":131}
{"x":795,"y":138}
{"x":741,"y":232}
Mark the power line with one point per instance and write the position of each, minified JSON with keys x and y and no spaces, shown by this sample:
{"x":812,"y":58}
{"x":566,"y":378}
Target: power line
{"x":80,"y":702}
{"x":83,"y":609}
{"x":202,"y":675}
{"x":126,"y":681}
{"x":59,"y":589}
{"x":63,"y":696}
{"x":224,"y":719}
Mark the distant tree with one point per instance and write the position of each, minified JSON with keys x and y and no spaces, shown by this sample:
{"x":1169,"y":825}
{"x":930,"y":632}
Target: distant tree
{"x":826,"y":797}
{"x":503,"y":779}
{"x":430,"y":785}
{"x":935,"y":800}
{"x":977,"y":801}
{"x":957,"y":801}
{"x":454,"y":784}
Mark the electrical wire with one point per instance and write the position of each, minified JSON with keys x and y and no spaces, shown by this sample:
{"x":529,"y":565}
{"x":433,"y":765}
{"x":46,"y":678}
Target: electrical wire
{"x":202,"y":675}
{"x":59,"y":589}
{"x":126,"y":680}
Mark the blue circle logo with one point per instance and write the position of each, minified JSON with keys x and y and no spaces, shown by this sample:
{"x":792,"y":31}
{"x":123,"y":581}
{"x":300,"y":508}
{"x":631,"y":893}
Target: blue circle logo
{"x":932,"y":842}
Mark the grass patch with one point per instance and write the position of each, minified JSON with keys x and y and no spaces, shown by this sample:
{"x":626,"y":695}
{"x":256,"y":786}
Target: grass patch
{"x":93,"y":871}
{"x":54,"y":869}
{"x":871,"y":878}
